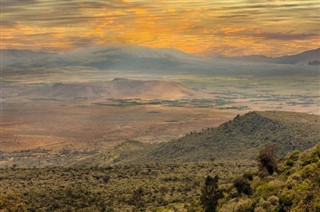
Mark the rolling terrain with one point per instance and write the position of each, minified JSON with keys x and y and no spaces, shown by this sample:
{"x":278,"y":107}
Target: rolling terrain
{"x":239,"y":139}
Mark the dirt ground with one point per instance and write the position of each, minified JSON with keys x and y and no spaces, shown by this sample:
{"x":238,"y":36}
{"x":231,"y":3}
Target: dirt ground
{"x":57,"y":125}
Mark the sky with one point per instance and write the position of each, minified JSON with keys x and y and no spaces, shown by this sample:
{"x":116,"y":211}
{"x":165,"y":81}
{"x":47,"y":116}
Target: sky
{"x":206,"y":27}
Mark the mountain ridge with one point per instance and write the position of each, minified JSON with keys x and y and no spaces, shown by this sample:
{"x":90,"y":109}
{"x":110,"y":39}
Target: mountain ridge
{"x":305,"y":57}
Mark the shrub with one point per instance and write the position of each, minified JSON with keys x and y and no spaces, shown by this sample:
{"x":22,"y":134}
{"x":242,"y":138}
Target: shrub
{"x":243,"y":186}
{"x":285,"y":203}
{"x":248,"y":176}
{"x":294,"y":156}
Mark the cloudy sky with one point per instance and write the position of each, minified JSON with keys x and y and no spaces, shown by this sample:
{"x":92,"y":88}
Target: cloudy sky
{"x":229,"y":27}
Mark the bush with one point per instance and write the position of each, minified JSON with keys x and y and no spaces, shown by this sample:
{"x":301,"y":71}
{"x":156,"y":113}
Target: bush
{"x":285,"y":203}
{"x":243,"y":186}
{"x":294,"y":156}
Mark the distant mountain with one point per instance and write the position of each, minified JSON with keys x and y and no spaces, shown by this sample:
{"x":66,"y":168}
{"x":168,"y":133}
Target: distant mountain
{"x":311,"y":57}
{"x":107,"y":57}
{"x":238,"y":139}
{"x":129,"y":57}
{"x":137,"y":51}
{"x":15,"y":53}
{"x":158,"y":60}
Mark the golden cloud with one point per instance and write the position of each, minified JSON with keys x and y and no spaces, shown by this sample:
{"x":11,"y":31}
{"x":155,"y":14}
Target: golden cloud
{"x":207,"y":27}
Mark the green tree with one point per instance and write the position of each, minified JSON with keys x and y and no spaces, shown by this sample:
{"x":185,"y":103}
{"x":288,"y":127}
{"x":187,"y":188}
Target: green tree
{"x":211,"y":194}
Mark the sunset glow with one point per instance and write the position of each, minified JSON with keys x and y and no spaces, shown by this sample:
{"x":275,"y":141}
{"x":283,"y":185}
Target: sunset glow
{"x":211,"y":27}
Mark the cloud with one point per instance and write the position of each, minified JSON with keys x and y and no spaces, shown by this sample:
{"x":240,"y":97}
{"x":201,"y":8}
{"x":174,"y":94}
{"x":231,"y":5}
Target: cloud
{"x":257,"y":33}
{"x":187,"y":25}
{"x":79,"y":42}
{"x":288,"y":36}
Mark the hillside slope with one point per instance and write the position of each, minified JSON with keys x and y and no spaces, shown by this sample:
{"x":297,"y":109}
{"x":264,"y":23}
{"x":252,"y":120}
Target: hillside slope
{"x":294,"y":188}
{"x":243,"y":136}
{"x":240,"y":138}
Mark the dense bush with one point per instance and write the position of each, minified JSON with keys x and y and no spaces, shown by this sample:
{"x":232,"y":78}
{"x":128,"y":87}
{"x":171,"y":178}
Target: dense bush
{"x":243,"y":186}
{"x":167,"y":187}
{"x":175,"y":187}
{"x":11,"y":202}
{"x":296,"y":187}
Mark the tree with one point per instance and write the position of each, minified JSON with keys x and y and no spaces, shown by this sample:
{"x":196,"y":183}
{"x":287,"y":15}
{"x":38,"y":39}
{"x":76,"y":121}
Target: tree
{"x":211,"y":194}
{"x":267,"y":160}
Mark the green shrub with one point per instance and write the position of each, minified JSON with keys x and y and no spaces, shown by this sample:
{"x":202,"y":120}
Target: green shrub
{"x":285,"y":203}
{"x":243,"y":186}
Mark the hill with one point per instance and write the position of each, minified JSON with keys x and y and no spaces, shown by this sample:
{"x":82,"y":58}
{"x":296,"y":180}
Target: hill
{"x":238,"y":139}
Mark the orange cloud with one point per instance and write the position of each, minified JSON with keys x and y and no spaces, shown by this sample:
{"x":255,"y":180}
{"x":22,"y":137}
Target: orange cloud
{"x":204,"y":27}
